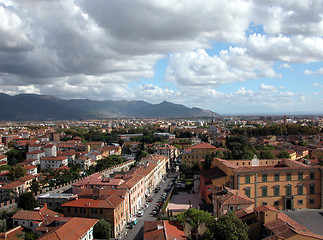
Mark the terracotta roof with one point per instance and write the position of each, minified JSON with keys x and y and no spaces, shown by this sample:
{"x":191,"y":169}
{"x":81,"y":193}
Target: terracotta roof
{"x":67,"y":153}
{"x":102,"y":192}
{"x":72,"y":230}
{"x":265,"y":208}
{"x":35,"y":152}
{"x":162,"y":230}
{"x":212,"y":173}
{"x":12,"y":234}
{"x":58,"y":158}
{"x":29,"y":167}
{"x":110,"y":202}
{"x":235,"y":197}
{"x":284,"y":227}
{"x":37,"y":215}
{"x":203,"y":145}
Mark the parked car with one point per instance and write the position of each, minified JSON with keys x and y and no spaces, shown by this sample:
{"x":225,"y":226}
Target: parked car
{"x":140,"y":213}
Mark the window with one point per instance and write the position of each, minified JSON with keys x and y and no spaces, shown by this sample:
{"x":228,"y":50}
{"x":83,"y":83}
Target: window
{"x":264,"y":203}
{"x":94,"y":211}
{"x":231,"y":208}
{"x":264,"y":177}
{"x":247,"y":192}
{"x":288,"y":190}
{"x":75,"y":210}
{"x":312,"y":188}
{"x":247,"y":179}
{"x":82,"y":210}
{"x":288,"y":177}
{"x":276,"y":190}
{"x":15,"y":223}
{"x":276,"y":203}
{"x":312,"y":201}
{"x":30,"y":224}
{"x":300,"y":202}
{"x":276,"y":177}
{"x":68,"y":209}
{"x":312,"y":175}
{"x":101,"y":211}
{"x":300,"y":189}
{"x":264,"y":191}
{"x":300,"y":176}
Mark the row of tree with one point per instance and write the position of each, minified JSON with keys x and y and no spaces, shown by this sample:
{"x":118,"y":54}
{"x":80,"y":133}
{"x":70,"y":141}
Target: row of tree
{"x":277,"y":130}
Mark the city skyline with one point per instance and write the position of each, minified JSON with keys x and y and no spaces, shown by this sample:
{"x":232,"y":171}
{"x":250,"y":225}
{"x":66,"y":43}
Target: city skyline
{"x":232,"y":57}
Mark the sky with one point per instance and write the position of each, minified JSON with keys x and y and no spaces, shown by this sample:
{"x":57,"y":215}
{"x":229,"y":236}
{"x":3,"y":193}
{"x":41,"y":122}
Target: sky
{"x":230,"y":57}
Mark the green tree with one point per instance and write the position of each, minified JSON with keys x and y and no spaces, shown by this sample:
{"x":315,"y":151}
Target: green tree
{"x":35,"y":186}
{"x":16,"y":172}
{"x":27,"y":201}
{"x":228,"y":227}
{"x":3,"y":225}
{"x":5,"y":167}
{"x":208,"y":160}
{"x":183,"y":167}
{"x":30,"y":236}
{"x":267,"y":154}
{"x":140,"y":154}
{"x":102,"y":230}
{"x":283,"y":154}
{"x":195,"y":218}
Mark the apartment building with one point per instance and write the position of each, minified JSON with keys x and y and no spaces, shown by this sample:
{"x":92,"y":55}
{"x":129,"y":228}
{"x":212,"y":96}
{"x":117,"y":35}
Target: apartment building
{"x":111,"y":209}
{"x":199,"y":152}
{"x":282,"y":183}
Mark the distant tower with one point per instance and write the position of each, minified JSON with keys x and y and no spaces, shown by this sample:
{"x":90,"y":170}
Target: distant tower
{"x":285,"y":120}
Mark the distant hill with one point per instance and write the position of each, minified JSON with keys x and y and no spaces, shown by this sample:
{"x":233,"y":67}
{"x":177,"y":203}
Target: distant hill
{"x":32,"y":107}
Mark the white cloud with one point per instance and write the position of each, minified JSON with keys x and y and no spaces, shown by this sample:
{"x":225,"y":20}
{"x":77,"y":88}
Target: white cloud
{"x":268,"y":87}
{"x":317,"y":72}
{"x":295,"y":49}
{"x":316,"y":85}
{"x":198,"y":68}
{"x":284,"y":65}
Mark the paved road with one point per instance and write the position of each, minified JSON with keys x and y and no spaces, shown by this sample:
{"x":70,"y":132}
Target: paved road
{"x":310,"y":218}
{"x":137,"y":233}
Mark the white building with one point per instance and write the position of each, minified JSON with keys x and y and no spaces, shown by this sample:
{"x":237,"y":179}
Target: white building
{"x":53,"y":162}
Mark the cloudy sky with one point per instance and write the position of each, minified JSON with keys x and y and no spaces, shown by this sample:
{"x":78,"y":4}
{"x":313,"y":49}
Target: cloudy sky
{"x":233,"y":56}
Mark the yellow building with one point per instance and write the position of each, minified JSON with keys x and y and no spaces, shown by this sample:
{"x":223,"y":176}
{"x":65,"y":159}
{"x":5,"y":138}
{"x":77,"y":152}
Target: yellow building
{"x":282,"y":183}
{"x":199,"y":152}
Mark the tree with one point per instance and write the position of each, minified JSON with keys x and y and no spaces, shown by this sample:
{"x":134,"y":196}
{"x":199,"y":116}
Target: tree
{"x":30,"y":236}
{"x":34,"y":186}
{"x":267,"y":154}
{"x":16,"y":172}
{"x":102,"y":230}
{"x":183,"y":167}
{"x":140,"y":154}
{"x":228,"y":227}
{"x":195,"y":218}
{"x":208,"y":160}
{"x":27,"y":201}
{"x":283,"y":154}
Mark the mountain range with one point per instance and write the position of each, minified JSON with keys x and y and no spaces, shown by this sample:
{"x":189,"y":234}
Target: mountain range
{"x":32,"y":107}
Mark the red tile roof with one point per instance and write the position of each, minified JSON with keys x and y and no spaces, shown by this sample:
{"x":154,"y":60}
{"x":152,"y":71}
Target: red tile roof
{"x":72,"y":230}
{"x":163,"y":230}
{"x":203,"y":145}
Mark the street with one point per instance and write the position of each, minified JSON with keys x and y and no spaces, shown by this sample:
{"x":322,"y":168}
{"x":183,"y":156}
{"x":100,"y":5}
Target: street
{"x":137,"y":232}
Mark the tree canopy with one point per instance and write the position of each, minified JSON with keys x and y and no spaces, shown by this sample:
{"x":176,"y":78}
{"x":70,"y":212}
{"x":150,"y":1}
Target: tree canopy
{"x":16,"y":172}
{"x":102,"y":230}
{"x":195,"y":218}
{"x":228,"y":227}
{"x":27,"y":201}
